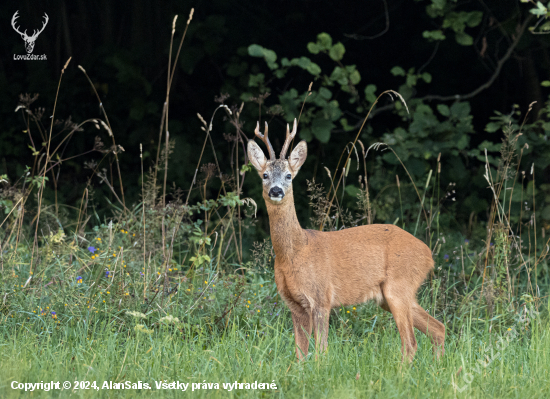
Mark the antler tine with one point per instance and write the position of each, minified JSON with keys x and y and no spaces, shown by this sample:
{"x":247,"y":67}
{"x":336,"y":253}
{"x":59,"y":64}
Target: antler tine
{"x":264,"y":138}
{"x":289,"y":137}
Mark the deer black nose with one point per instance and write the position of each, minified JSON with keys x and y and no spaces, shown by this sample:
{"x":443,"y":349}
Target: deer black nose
{"x":276,"y":192}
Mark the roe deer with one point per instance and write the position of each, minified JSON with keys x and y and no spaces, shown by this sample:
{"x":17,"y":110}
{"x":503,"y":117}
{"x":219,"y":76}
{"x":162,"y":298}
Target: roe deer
{"x":316,"y":271}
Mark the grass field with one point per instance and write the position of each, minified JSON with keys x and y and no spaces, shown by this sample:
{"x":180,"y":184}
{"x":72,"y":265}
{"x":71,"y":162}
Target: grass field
{"x":477,"y":363}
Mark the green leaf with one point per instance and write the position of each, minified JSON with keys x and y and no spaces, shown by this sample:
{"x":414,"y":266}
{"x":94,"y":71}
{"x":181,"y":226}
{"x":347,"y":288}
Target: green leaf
{"x":443,"y":109}
{"x":337,"y":51}
{"x":324,"y":41}
{"x":325,"y":93}
{"x":464,"y":39}
{"x":426,"y":77}
{"x":355,"y":77}
{"x":255,"y":50}
{"x":433,"y":35}
{"x":474,"y":18}
{"x":313,"y":48}
{"x":369,"y":93}
{"x":545,"y":83}
{"x":256,"y":80}
{"x":321,"y":129}
{"x":397,"y":71}
{"x":314,"y":69}
{"x":411,"y":80}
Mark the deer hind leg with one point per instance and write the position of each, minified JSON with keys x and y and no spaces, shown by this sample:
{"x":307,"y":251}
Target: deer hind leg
{"x":320,"y":328}
{"x":302,"y":330}
{"x":400,"y":308}
{"x":433,"y":328}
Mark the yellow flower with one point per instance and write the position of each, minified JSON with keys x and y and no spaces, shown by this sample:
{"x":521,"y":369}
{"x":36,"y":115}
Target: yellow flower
{"x":247,"y":306}
{"x":258,"y":310}
{"x":188,"y":289}
{"x":108,"y":292}
{"x":213,"y":285}
{"x":205,"y":282}
{"x":354,"y":308}
{"x":261,"y":285}
{"x":249,"y":302}
{"x":114,"y":255}
{"x":168,"y":269}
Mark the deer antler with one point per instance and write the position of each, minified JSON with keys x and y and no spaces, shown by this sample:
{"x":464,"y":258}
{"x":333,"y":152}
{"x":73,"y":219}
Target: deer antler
{"x":289,"y":137}
{"x":15,"y":16}
{"x":264,"y":138}
{"x":43,"y":25}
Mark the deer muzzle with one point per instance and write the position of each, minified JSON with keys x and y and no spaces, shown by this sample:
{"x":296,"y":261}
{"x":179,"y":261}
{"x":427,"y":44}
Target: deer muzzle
{"x":276,"y":193}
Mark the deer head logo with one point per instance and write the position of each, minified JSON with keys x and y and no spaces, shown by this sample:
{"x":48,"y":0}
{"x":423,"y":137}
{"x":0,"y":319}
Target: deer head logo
{"x":29,"y":40}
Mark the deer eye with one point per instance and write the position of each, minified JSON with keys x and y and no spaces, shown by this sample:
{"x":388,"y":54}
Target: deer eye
{"x":265,"y":175}
{"x":289,"y":176}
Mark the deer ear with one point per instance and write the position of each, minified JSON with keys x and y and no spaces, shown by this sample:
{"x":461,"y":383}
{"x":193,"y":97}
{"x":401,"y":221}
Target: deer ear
{"x":298,"y":156}
{"x":256,"y":155}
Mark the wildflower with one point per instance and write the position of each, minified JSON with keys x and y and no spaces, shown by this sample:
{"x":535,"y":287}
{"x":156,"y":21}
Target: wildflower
{"x":509,"y":329}
{"x":348,"y":311}
{"x":491,"y":244}
{"x":79,"y":280}
{"x":114,"y":255}
{"x":92,"y":249}
{"x":466,"y":242}
{"x":261,"y":285}
{"x":354,"y":308}
{"x":136,"y":314}
{"x":122,"y":231}
{"x":446,"y":257}
{"x":249,"y":302}
{"x":169,"y":319}
{"x":141,"y":274}
{"x":205,"y":282}
{"x":54,"y":315}
{"x":258,"y":310}
{"x":98,"y":239}
{"x":107,"y":292}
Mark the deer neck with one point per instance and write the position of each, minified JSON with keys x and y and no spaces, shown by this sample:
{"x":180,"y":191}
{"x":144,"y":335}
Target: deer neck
{"x":287,"y":236}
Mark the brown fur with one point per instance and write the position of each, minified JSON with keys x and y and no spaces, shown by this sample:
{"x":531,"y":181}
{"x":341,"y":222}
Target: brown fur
{"x":316,"y":271}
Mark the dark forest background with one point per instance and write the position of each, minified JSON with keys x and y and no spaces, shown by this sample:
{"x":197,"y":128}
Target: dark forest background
{"x":466,"y":69}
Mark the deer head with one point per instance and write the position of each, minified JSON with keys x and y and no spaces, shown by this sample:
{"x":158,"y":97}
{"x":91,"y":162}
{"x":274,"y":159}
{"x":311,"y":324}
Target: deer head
{"x":29,"y":40}
{"x":277,"y":174}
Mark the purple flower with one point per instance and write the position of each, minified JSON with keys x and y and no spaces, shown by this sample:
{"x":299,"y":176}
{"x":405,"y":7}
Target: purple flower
{"x":107,"y":273}
{"x":92,"y":249}
{"x":466,"y":241}
{"x":491,"y":244}
{"x":446,"y":257}
{"x":141,"y":274}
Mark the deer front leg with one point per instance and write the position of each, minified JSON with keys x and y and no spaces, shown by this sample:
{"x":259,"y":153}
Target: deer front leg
{"x":302,"y":331}
{"x":320,"y":328}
